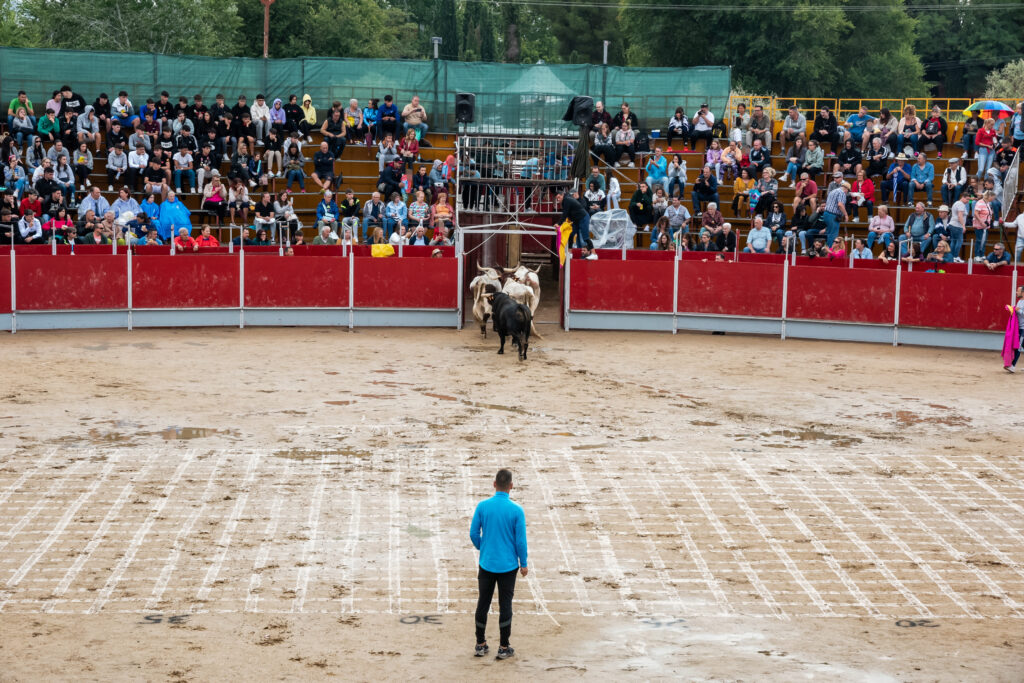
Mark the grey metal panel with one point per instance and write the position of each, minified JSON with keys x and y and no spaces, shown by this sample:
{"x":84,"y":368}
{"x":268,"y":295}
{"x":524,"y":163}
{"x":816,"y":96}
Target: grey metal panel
{"x":69,"y":320}
{"x":315,"y":317}
{"x":837,"y":331}
{"x":717,"y":323}
{"x":401,"y":317}
{"x":959,"y":339}
{"x":5,"y":322}
{"x":190,"y":317}
{"x":602,"y":320}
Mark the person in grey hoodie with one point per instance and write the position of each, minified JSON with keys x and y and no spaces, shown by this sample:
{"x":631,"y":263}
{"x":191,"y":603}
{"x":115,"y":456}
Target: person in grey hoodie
{"x":436,"y":176}
{"x":140,"y":137}
{"x":89,"y":127}
{"x":117,"y":166}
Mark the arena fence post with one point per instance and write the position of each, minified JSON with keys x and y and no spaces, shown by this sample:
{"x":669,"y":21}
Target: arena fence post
{"x":459,"y":245}
{"x":241,"y":288}
{"x":129,"y":286}
{"x":14,"y":293}
{"x":351,"y":289}
{"x":568,"y":286}
{"x":785,"y":298}
{"x":970,"y":259}
{"x":896,"y":307}
{"x":675,"y":289}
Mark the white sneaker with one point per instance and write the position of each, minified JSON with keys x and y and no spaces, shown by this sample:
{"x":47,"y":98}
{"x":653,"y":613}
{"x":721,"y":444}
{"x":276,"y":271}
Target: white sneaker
{"x":252,"y":183}
{"x":784,"y":178}
{"x":259,"y":143}
{"x":855,"y":219}
{"x":309,"y":139}
{"x":792,"y":185}
{"x":1010,"y":369}
{"x":632,"y":165}
{"x":227,"y":158}
{"x":177,"y":190}
{"x":110,"y":188}
{"x":87,"y":182}
{"x":964,"y":155}
{"x":617,"y":164}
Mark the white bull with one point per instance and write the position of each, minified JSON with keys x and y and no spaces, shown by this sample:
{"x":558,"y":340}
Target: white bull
{"x":523,"y":294}
{"x":525,"y":276}
{"x":488,"y":280}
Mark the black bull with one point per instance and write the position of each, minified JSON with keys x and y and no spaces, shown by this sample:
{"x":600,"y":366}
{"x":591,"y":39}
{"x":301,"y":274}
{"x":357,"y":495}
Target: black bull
{"x":511,"y":319}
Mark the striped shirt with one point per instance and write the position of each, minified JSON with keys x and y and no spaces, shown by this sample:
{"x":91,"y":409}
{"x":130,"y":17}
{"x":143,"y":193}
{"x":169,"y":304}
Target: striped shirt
{"x":836,"y":198}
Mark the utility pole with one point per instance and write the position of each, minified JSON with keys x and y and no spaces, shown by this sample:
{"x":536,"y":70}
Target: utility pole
{"x":436,"y":41}
{"x":604,"y":74}
{"x":266,"y":25}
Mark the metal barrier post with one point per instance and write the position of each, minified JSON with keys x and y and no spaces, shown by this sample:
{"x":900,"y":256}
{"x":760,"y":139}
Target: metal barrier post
{"x":14,"y":294}
{"x":896,"y":307}
{"x":785,"y":297}
{"x":675,"y":290}
{"x":351,"y":289}
{"x":568,"y":282}
{"x":241,"y":288}
{"x":129,"y":290}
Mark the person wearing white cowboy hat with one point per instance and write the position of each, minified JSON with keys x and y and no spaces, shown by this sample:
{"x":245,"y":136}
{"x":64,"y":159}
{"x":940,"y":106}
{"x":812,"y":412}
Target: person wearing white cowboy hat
{"x":954,"y":178}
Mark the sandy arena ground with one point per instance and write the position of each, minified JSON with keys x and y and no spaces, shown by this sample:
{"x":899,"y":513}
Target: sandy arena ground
{"x":294,"y":504}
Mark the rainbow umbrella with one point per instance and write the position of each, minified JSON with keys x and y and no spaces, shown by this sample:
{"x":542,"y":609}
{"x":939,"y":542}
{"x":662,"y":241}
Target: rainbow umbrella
{"x":990,"y":109}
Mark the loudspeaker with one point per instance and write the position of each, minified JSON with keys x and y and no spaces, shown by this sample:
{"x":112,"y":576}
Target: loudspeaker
{"x":581,"y":111}
{"x":465,"y":107}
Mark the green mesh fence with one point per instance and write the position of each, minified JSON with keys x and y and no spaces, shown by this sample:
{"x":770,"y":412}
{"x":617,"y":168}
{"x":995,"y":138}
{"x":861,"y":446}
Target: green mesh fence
{"x":510,"y":98}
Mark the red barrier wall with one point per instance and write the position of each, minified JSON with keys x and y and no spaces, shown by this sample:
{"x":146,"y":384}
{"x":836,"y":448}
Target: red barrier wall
{"x":747,"y":289}
{"x":406,"y":283}
{"x":621,"y":286}
{"x":961,"y":302}
{"x":295,"y":282}
{"x":5,"y":283}
{"x":849,"y":295}
{"x":175,"y":282}
{"x":80,"y":282}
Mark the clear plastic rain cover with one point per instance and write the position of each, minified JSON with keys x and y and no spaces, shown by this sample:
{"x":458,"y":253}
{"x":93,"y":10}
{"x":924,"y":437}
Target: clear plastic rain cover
{"x":611,"y":229}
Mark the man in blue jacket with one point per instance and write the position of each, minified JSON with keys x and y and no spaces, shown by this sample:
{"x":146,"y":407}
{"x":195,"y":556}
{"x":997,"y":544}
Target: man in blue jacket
{"x":498,"y":531}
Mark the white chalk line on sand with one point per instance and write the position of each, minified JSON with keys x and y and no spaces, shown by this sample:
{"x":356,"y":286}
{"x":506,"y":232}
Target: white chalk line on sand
{"x":707,"y":576}
{"x":348,"y":551}
{"x":940,"y":540}
{"x":642,"y":532}
{"x":816,"y":543}
{"x":850,"y":534}
{"x":730,"y":545}
{"x":611,"y":561}
{"x":309,"y":547}
{"x":186,"y":529}
{"x":769,"y":538}
{"x":55,"y":488}
{"x":229,"y":529}
{"x":56,"y":532}
{"x":394,"y":543}
{"x":252,"y":598}
{"x":978,"y":481}
{"x":140,"y":535}
{"x":571,"y":564}
{"x":28,"y":474}
{"x":997,"y":520}
{"x":434,"y":523}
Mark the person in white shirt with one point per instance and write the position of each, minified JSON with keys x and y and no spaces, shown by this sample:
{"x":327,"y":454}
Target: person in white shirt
{"x":702,"y":121}
{"x":30,"y":229}
{"x":183,"y":168}
{"x":260,"y":113}
{"x":137,"y":162}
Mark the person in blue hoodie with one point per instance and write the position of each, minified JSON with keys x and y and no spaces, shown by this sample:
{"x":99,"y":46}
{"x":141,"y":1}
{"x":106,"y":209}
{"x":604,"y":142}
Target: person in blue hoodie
{"x":387,"y":118}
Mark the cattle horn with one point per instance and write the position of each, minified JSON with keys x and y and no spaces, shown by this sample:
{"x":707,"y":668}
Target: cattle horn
{"x":510,"y":270}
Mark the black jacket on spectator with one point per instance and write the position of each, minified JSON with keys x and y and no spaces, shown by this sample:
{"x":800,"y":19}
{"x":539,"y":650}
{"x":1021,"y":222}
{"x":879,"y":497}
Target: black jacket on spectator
{"x":166,"y":143}
{"x":825,"y":124}
{"x":390,"y":181}
{"x":725,"y":242}
{"x":45,"y":188}
{"x":240,"y":130}
{"x":189,"y":141}
{"x":164,"y":110}
{"x":240,"y":109}
{"x":115,"y":139}
{"x":634,"y":122}
{"x":75,"y":103}
{"x":193,"y":112}
{"x":573,"y":210}
{"x":101,"y":110}
{"x":292,"y":115}
{"x":217,"y":111}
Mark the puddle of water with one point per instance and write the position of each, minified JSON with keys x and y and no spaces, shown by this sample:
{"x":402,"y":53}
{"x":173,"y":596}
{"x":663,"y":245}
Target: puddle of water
{"x":181,"y":433}
{"x":316,"y":454}
{"x":339,"y":403}
{"x":418,"y":532}
{"x":811,"y":434}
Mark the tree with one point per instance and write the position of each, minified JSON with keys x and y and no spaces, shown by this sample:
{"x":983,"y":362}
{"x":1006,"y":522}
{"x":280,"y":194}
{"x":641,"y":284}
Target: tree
{"x":1006,"y":83}
{"x":581,"y":30}
{"x":204,"y":27}
{"x":511,"y":13}
{"x":447,"y":25}
{"x":883,"y":61}
{"x":289,"y":21}
{"x":478,"y":41}
{"x":14,"y":32}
